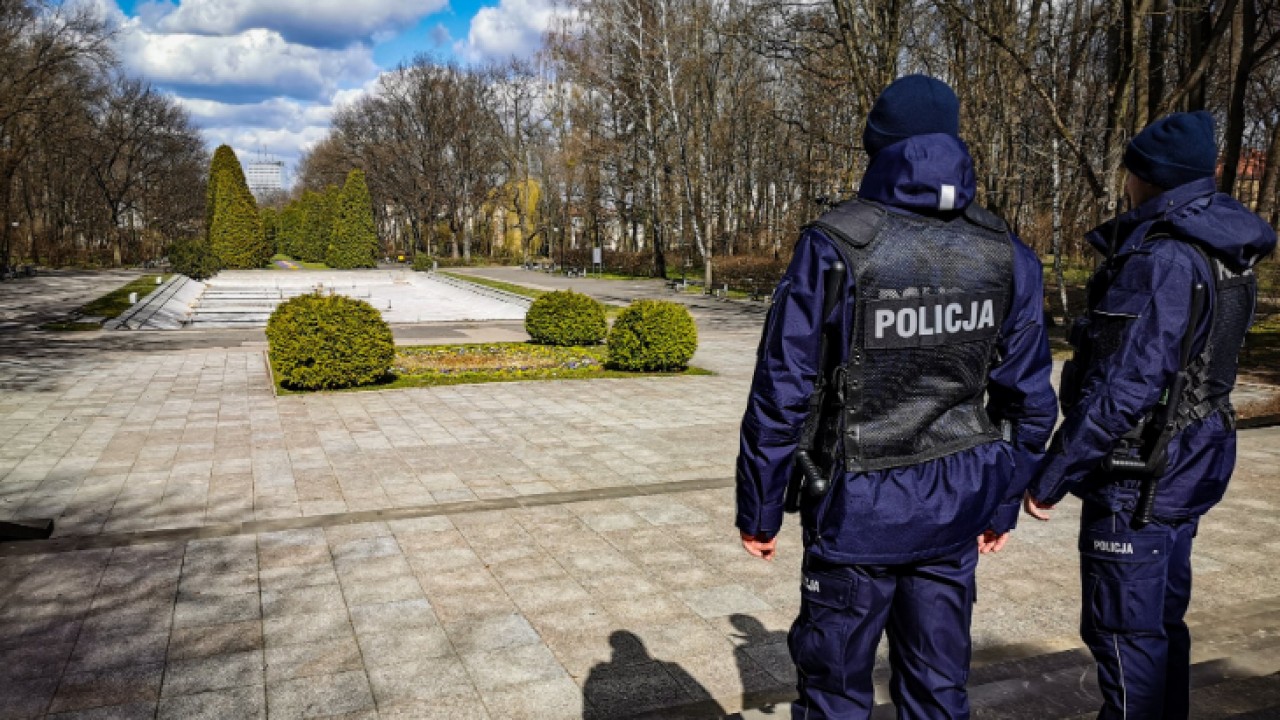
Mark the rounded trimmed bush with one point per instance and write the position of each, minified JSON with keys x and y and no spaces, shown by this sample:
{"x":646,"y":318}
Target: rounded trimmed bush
{"x":653,"y":335}
{"x":422,"y":262}
{"x":566,"y":318}
{"x":325,"y":342}
{"x":194,"y":258}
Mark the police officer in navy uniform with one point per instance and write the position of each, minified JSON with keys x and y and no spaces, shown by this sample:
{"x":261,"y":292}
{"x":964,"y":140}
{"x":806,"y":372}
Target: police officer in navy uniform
{"x":1168,"y":312}
{"x":936,"y":412}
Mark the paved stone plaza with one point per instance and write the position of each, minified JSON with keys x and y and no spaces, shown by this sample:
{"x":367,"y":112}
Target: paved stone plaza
{"x":539,"y":550}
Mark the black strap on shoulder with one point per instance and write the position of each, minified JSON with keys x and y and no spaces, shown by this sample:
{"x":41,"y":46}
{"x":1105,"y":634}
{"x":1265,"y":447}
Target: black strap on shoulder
{"x":983,"y":217}
{"x":855,"y":222}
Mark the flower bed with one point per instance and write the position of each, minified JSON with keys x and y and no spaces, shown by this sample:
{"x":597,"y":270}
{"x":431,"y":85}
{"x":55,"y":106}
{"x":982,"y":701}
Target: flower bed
{"x":431,"y":365}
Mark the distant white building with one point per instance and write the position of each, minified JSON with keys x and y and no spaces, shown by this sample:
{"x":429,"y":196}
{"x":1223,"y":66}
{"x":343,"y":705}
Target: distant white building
{"x":264,"y":177}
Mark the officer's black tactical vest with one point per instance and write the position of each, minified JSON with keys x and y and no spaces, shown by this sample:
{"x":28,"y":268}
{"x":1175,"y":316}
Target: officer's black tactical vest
{"x":1211,"y":374}
{"x":932,"y":295}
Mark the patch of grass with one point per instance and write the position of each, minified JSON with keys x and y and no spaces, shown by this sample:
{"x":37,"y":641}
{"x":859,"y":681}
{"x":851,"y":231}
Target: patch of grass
{"x":71,"y":326}
{"x":1075,"y":275}
{"x":610,"y":311}
{"x":300,"y":263}
{"x":435,"y":365}
{"x":114,"y":303}
{"x":499,"y":285}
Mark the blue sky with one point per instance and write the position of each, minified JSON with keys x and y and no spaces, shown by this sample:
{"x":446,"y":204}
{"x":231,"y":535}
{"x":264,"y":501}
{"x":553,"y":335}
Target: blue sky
{"x":267,"y":75}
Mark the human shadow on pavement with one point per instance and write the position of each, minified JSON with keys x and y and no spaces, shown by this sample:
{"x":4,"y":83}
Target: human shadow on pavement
{"x":632,"y":683}
{"x":753,"y":642}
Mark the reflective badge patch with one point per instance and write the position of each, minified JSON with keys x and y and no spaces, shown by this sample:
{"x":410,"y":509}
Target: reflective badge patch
{"x":827,"y":589}
{"x":1112,"y":546}
{"x":947,"y":198}
{"x":932,"y":320}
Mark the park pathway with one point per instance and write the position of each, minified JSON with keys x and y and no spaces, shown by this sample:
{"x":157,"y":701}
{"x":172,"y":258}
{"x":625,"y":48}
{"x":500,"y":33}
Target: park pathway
{"x":541,"y":550}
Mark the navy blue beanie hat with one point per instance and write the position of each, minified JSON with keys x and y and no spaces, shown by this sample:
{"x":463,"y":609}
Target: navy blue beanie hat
{"x":1174,"y":150}
{"x":911,"y":105}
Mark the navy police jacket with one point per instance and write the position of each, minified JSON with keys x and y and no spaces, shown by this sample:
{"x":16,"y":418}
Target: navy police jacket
{"x":918,"y":511}
{"x":1154,"y":287}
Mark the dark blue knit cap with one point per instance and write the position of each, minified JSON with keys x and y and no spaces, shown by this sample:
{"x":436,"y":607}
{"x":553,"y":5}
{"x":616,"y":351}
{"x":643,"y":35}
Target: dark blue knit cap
{"x":911,"y":105}
{"x":1174,"y":150}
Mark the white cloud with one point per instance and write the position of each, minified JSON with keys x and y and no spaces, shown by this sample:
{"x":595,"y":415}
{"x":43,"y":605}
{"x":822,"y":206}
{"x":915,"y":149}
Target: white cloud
{"x":283,"y":144}
{"x":254,"y":64}
{"x":280,"y":113}
{"x":323,"y":23}
{"x":512,"y":29}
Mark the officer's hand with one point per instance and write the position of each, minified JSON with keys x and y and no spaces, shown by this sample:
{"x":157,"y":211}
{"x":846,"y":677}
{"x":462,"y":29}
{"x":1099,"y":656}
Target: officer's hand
{"x":1035,"y":508}
{"x":759,"y":547}
{"x":991,"y":542}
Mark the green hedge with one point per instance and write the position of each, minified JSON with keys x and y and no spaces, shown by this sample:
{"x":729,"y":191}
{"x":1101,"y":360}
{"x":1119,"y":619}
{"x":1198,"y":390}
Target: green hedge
{"x":324,"y":342}
{"x":653,"y":335}
{"x":422,"y":262}
{"x":566,"y":318}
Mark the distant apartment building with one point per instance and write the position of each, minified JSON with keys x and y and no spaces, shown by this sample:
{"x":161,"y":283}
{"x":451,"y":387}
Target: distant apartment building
{"x":265,"y":177}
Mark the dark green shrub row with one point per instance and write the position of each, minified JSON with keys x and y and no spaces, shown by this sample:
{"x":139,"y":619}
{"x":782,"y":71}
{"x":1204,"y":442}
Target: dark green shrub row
{"x":422,"y":261}
{"x":566,"y":318}
{"x":747,"y":273}
{"x":740,"y":272}
{"x":455,"y":262}
{"x":325,"y":342}
{"x":636,"y":264}
{"x":653,"y":335}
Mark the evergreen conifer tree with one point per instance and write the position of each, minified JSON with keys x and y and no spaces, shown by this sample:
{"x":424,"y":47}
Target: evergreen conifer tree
{"x":235,"y":228}
{"x":317,"y":226}
{"x":236,"y":236}
{"x":223,"y":158}
{"x":355,"y":235}
{"x":290,"y":232}
{"x":270,"y":230}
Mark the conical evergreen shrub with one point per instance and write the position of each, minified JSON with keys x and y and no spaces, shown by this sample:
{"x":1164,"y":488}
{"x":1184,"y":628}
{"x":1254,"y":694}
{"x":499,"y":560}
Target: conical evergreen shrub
{"x":354,"y":242}
{"x":317,"y":225}
{"x":224,"y":162}
{"x":235,"y":228}
{"x":236,"y":237}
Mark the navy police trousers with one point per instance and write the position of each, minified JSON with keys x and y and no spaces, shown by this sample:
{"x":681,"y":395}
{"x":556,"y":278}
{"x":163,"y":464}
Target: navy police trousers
{"x":1136,"y":586}
{"x":925,"y":607}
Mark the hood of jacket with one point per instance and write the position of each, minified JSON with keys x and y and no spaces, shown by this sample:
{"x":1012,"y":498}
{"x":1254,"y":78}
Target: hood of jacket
{"x":923,"y":174}
{"x":1196,"y":213}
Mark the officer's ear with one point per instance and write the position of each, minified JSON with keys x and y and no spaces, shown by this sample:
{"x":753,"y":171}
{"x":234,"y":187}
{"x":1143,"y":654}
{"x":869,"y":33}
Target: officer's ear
{"x":1137,"y":191}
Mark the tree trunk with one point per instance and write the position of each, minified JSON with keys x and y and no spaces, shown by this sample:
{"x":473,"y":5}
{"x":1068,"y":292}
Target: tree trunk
{"x":1199,"y":28}
{"x":1268,"y":204}
{"x":1159,"y":46}
{"x":1244,"y":35}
